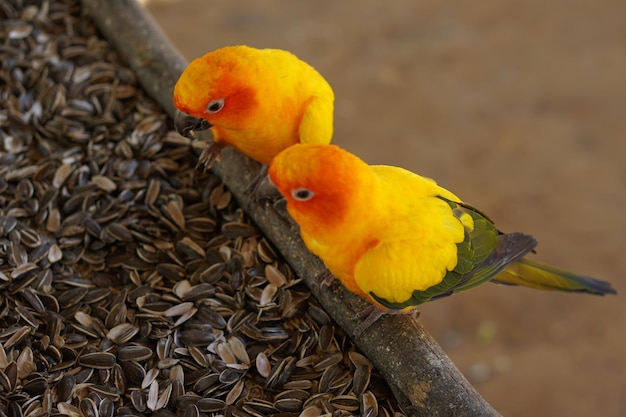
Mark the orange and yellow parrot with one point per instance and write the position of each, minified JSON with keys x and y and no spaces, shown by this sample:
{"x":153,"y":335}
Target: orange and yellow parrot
{"x":398,"y":239}
{"x":259,"y":101}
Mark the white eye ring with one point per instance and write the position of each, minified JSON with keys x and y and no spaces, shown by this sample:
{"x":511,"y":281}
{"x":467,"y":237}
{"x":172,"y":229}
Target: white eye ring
{"x":302,"y":194}
{"x":214,"y":106}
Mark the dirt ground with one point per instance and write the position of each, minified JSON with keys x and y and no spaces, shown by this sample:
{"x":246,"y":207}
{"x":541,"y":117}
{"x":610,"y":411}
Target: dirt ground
{"x":518,"y":107}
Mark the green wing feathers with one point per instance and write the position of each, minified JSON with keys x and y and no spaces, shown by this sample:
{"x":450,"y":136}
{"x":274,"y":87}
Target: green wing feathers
{"x":482,"y":254}
{"x":506,"y":263}
{"x":534,"y":274}
{"x":486,"y":254}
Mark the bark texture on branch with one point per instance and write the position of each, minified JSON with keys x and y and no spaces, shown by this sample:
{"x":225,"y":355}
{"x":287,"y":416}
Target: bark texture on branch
{"x":423,"y":379}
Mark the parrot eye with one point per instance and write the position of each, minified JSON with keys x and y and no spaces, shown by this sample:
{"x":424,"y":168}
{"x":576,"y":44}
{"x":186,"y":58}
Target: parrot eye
{"x":215,"y":106}
{"x":302,"y":194}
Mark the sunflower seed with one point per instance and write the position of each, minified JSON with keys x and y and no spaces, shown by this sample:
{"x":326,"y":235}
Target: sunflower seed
{"x":134,"y":353}
{"x":97,"y":360}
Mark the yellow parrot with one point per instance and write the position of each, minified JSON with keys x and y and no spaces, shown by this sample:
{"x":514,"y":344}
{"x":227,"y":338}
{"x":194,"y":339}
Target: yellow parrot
{"x":259,"y":101}
{"x":398,"y":239}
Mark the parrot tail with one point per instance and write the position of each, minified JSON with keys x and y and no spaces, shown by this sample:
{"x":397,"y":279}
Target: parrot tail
{"x":538,"y":275}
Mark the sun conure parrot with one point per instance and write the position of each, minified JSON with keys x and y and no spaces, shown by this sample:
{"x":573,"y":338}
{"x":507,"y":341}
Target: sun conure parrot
{"x":259,"y":101}
{"x":398,"y":239}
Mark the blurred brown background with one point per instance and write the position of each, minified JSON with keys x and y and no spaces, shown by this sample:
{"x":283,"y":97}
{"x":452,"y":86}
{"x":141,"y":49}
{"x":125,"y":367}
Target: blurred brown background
{"x":519,"y":108}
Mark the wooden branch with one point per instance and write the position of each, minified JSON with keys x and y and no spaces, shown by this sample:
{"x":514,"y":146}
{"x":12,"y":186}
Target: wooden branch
{"x":422,"y":377}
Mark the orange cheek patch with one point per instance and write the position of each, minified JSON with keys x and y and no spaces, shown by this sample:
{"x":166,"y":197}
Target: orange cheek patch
{"x":240,"y":105}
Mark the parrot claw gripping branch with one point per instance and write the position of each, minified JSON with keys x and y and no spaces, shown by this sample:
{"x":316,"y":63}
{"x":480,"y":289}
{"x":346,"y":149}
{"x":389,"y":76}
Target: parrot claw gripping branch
{"x":186,"y":126}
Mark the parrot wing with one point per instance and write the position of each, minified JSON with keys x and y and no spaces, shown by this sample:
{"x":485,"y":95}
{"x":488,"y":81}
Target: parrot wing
{"x":483,"y":254}
{"x":316,"y":125}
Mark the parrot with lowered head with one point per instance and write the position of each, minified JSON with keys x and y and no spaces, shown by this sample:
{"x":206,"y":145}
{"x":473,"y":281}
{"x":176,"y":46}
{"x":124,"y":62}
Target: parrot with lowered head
{"x":260,"y":101}
{"x":398,"y":239}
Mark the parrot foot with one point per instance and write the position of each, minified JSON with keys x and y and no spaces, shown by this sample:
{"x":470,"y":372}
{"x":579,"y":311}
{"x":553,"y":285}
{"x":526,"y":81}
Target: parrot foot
{"x":261,"y":189}
{"x":258,"y":180}
{"x":209,"y":155}
{"x":325,"y":279}
{"x":372,"y":313}
{"x":280,"y":210}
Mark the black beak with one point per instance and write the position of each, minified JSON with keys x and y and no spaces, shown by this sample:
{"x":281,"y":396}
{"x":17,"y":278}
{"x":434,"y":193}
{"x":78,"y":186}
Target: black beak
{"x":185,"y":124}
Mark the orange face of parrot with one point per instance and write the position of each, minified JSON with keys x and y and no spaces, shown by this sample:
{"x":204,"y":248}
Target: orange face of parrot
{"x":212,"y":89}
{"x":319,"y":191}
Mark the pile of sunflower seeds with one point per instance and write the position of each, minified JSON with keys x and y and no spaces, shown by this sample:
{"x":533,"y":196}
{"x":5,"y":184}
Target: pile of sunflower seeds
{"x":130,"y":283}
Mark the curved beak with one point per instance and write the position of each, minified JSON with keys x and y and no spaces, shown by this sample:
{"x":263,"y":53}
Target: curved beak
{"x":185,"y":124}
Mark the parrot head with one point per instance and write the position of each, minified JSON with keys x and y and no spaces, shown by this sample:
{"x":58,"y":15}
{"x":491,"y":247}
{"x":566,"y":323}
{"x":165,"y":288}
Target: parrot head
{"x":322,"y":184}
{"x":215,"y":90}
